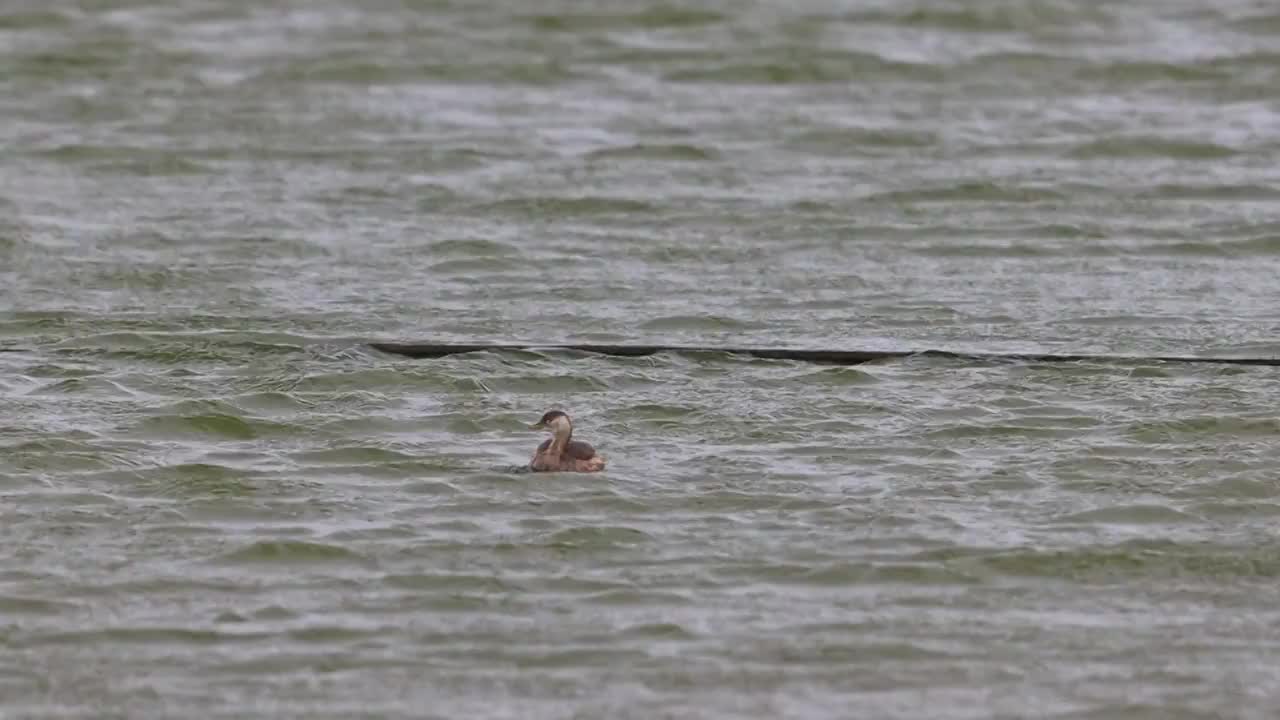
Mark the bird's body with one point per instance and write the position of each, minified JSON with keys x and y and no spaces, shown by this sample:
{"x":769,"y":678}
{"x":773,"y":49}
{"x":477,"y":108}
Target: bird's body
{"x":560,"y":452}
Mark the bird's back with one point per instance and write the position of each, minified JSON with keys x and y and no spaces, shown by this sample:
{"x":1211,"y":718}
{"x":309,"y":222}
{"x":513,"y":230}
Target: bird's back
{"x":576,"y":449}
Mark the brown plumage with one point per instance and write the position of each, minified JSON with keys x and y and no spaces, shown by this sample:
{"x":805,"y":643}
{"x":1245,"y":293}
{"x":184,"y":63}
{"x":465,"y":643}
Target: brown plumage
{"x":560,"y":452}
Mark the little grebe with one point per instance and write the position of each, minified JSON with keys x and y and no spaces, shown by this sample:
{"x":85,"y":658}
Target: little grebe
{"x":560,"y":452}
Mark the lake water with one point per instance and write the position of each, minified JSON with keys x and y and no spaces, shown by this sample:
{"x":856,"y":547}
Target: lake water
{"x":217,"y":501}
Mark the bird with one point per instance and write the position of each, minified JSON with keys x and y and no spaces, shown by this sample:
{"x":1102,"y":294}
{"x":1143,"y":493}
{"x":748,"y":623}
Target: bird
{"x":560,"y":452}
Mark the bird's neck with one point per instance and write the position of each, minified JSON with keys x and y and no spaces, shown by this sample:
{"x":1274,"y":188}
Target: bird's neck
{"x":560,"y":437}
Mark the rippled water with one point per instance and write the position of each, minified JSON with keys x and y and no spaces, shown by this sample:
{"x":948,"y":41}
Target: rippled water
{"x":217,"y":500}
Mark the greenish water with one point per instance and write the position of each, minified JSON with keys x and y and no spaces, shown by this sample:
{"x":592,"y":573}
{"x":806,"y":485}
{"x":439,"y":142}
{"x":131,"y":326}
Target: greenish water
{"x":216,"y":502}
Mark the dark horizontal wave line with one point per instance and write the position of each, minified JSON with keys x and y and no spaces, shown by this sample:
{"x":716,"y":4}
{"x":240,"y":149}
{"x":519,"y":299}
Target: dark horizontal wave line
{"x":829,"y":357}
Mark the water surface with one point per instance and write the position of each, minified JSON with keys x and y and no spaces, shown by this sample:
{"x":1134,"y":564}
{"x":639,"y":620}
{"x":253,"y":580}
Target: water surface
{"x":217,"y":500}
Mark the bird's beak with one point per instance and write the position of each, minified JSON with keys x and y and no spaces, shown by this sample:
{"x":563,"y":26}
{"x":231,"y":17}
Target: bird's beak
{"x":537,"y":426}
